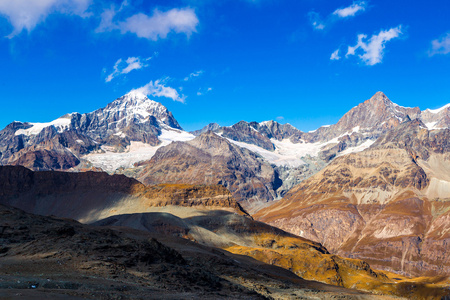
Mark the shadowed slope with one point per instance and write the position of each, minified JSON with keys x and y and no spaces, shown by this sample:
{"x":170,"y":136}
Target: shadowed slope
{"x":90,"y":196}
{"x":271,"y":245}
{"x":45,"y":257}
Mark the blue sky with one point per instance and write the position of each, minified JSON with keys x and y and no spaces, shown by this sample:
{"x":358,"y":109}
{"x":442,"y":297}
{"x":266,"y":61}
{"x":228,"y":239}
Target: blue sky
{"x":304,"y":62}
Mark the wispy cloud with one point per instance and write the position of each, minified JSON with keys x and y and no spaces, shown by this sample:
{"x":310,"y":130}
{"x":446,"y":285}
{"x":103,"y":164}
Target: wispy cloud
{"x":159,"y":89}
{"x":124,"y":67}
{"x":193,"y":75}
{"x":351,"y":10}
{"x":316,"y":20}
{"x":441,"y":45}
{"x":202,"y":92}
{"x":320,"y":23}
{"x":107,"y":16}
{"x":154,"y":27}
{"x":372,"y":49}
{"x":335,"y":55}
{"x":26,"y":14}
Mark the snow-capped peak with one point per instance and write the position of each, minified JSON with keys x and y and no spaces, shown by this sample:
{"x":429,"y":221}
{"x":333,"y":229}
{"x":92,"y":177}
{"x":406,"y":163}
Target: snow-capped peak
{"x":136,"y":104}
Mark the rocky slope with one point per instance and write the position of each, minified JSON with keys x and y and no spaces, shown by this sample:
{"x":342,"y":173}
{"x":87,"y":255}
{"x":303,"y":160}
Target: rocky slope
{"x":211,"y":159}
{"x":295,"y":155}
{"x":51,"y":258}
{"x":244,"y":236}
{"x":73,"y":251}
{"x":387,"y":204}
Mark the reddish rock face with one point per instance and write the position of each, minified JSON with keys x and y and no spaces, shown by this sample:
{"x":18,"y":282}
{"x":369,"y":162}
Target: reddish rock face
{"x":388,"y":205}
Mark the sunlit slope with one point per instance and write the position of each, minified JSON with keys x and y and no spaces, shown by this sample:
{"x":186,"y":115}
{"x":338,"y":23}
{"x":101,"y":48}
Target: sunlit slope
{"x":387,"y":204}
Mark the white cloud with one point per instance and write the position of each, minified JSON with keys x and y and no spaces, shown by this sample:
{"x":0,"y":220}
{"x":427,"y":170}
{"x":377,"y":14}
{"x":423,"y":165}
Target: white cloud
{"x":351,"y":10}
{"x":159,"y":25}
{"x":372,"y":49}
{"x":26,"y":14}
{"x":335,"y":55}
{"x":280,"y":118}
{"x":158,"y":89}
{"x":193,"y":75}
{"x":440,"y":46}
{"x":319,"y":23}
{"x":125,"y":67}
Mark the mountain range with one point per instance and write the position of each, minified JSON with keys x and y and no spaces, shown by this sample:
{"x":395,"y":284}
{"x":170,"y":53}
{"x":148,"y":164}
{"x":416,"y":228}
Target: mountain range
{"x":132,"y":136}
{"x":373,"y":188}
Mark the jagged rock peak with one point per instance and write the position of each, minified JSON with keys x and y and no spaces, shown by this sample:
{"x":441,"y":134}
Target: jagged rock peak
{"x":210,"y":126}
{"x":136,"y":105}
{"x":380,"y":98}
{"x":208,"y":137}
{"x":211,"y":141}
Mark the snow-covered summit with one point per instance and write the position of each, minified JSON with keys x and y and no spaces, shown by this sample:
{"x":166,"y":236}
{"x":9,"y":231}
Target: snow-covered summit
{"x":134,"y":105}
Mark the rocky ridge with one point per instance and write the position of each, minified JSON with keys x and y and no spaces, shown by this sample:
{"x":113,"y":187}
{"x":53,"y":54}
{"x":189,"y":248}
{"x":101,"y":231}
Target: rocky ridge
{"x":387,"y":204}
{"x":295,"y":155}
{"x":124,"y":136}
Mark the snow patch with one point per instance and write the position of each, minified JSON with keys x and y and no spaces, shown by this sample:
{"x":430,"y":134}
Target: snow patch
{"x":324,"y":126}
{"x":286,"y":153}
{"x":431,"y":125}
{"x":136,"y":151}
{"x":120,"y":134}
{"x":291,"y":154}
{"x":396,"y":105}
{"x":60,"y":124}
{"x":359,"y":148}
